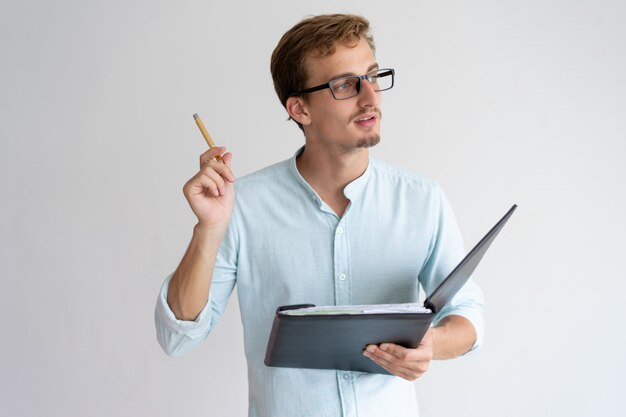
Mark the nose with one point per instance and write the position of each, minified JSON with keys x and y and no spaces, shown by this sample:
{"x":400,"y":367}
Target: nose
{"x":367,"y":96}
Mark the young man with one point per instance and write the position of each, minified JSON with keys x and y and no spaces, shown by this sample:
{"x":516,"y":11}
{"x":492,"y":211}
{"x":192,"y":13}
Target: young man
{"x":330,"y":226}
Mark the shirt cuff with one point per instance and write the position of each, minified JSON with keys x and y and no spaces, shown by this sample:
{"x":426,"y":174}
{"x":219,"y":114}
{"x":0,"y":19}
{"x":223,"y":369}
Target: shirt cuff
{"x":193,"y":329}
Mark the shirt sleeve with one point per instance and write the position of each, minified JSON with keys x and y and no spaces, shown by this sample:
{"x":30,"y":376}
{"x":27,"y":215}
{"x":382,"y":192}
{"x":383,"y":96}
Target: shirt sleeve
{"x":178,"y":337}
{"x":445,"y":252}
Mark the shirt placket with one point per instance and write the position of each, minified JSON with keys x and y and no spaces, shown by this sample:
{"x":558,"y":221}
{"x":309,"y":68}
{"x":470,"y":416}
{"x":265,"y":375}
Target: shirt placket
{"x":343,"y":296}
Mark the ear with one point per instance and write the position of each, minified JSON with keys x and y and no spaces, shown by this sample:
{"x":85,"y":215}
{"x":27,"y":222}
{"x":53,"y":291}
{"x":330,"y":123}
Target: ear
{"x":297,"y":109}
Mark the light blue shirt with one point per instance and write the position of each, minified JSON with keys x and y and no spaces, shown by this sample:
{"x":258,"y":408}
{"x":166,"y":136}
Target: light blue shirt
{"x":284,"y":245}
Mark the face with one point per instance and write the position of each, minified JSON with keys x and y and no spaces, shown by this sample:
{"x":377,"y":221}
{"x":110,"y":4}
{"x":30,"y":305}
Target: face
{"x":349,"y":124}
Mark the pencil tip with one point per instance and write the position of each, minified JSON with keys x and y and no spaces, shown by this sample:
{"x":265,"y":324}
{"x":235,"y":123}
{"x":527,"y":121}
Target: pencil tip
{"x":195,"y":115}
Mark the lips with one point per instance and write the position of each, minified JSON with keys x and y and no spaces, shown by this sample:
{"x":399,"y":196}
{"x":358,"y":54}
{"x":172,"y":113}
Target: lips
{"x":366,"y":120}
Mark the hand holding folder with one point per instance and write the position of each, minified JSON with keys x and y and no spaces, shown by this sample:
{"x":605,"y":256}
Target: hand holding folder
{"x":333,"y":337}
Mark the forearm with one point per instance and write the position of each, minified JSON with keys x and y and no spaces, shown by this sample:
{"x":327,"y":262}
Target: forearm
{"x":452,"y":337}
{"x":189,"y":288}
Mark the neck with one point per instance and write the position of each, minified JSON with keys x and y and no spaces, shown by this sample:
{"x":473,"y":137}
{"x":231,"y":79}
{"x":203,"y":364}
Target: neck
{"x":328,"y":170}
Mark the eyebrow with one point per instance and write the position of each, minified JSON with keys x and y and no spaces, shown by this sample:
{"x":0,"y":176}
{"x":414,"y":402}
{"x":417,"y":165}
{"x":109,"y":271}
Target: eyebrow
{"x":347,"y":74}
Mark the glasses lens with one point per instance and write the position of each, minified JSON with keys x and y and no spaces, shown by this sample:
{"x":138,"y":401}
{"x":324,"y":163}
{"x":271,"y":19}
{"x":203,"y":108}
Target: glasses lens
{"x":345,"y":87}
{"x":382,"y":80}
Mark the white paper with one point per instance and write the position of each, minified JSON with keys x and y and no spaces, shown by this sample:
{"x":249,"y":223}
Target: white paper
{"x":359,"y":309}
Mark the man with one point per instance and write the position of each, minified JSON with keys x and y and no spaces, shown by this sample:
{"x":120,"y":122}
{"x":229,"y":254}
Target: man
{"x":330,"y":226}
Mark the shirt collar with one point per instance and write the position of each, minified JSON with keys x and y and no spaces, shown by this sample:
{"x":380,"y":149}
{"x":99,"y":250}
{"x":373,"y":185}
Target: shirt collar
{"x":352,"y":191}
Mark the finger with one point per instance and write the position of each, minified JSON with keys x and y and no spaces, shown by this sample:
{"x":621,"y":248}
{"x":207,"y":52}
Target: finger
{"x":215,"y":179}
{"x":223,"y":169}
{"x":391,"y":352}
{"x":421,"y":353}
{"x":402,"y":359}
{"x":402,"y":373}
{"x":202,"y":183}
{"x":199,"y":184}
{"x":408,"y":375}
{"x":393,"y":365}
{"x":211,"y":187}
{"x":211,"y":154}
{"x":227,"y":158}
{"x":220,"y":172}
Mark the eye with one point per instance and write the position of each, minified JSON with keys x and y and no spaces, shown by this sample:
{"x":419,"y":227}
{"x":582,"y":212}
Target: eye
{"x":344,"y":85}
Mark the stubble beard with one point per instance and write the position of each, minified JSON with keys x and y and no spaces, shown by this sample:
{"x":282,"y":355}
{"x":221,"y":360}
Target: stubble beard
{"x":363,"y":143}
{"x":368,"y":142}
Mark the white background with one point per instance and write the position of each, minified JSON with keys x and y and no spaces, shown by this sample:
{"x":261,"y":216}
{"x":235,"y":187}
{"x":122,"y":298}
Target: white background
{"x":500,"y":101}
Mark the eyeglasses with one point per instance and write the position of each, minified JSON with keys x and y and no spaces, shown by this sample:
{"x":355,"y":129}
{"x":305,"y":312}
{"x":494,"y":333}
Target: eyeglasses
{"x":347,"y":87}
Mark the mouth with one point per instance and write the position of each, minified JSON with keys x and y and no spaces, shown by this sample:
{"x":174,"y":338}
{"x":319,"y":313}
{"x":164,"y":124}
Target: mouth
{"x":366,"y":120}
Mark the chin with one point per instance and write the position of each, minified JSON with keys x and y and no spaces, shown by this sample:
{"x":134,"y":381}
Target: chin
{"x":368,"y":142}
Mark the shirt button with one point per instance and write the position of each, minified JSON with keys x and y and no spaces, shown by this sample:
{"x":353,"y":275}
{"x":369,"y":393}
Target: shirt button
{"x":339,"y":230}
{"x":342,"y":277}
{"x":346,"y":376}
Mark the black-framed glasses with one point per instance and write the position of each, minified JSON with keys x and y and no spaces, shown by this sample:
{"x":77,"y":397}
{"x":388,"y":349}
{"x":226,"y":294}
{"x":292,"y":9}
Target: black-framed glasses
{"x":347,"y":87}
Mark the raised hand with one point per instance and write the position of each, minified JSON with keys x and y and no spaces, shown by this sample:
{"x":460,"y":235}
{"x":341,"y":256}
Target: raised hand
{"x":211,"y":192}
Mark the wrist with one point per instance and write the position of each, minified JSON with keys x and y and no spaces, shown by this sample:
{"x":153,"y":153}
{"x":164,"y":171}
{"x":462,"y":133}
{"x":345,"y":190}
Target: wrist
{"x":453,"y":336}
{"x":210,"y":231}
{"x":438,"y":336}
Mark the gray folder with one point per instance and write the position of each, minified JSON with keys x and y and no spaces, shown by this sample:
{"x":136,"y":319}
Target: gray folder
{"x":337,"y":341}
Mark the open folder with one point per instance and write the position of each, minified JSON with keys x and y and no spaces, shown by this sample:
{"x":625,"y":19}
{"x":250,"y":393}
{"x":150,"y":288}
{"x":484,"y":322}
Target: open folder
{"x":333,"y":337}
